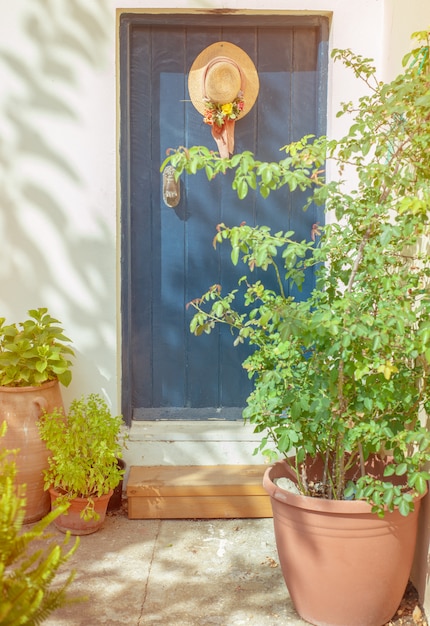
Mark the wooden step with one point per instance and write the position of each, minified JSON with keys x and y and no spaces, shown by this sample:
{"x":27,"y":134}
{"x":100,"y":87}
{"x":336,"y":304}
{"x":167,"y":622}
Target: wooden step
{"x":197,"y":492}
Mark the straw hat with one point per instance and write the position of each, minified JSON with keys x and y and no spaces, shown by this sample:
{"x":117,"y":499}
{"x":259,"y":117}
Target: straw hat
{"x":219,"y":73}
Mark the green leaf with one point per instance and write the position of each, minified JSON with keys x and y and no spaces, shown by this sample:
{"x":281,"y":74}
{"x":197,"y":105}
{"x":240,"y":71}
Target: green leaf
{"x":389,"y":470}
{"x":401,"y":469}
{"x":421,"y":484}
{"x":235,"y":255}
{"x":65,"y":378}
{"x":349,"y":490}
{"x":388,"y":496}
{"x":242,"y":189}
{"x":404,"y":508}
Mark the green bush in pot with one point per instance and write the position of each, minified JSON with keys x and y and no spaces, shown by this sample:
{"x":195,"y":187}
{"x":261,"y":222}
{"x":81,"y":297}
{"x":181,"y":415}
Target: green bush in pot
{"x":34,"y":351}
{"x":344,"y":374}
{"x":84,"y":445}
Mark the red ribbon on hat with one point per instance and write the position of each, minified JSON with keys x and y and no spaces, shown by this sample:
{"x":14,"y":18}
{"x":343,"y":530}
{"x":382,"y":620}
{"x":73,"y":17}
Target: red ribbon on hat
{"x":224,"y":137}
{"x":224,"y":134}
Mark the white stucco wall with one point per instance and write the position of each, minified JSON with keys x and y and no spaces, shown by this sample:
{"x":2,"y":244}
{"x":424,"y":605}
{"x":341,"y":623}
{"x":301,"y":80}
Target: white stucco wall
{"x":58,"y":169}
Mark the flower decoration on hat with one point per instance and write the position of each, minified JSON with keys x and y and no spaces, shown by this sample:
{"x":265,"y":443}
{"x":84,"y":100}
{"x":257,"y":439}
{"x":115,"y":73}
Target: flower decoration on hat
{"x":219,"y":113}
{"x":223,"y":85}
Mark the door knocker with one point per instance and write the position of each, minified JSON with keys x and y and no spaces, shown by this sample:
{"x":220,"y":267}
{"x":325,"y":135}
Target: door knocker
{"x":171,"y":187}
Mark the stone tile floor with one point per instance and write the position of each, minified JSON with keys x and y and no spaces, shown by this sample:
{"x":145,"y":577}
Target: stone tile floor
{"x":178,"y":573}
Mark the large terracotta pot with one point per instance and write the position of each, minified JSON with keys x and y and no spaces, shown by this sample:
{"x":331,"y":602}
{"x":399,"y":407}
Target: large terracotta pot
{"x":342,"y":564}
{"x":72,"y":520}
{"x":21,"y":408}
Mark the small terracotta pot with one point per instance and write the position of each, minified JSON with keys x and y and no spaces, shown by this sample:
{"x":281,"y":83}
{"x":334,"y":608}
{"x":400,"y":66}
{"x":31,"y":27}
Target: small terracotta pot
{"x":341,"y":563}
{"x":72,"y":520}
{"x":21,"y":407}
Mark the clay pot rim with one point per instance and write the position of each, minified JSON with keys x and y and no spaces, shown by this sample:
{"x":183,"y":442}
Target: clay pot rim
{"x":14,"y":389}
{"x":322,"y":505}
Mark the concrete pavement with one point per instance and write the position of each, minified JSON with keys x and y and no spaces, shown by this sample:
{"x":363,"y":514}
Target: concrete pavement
{"x":177,"y":573}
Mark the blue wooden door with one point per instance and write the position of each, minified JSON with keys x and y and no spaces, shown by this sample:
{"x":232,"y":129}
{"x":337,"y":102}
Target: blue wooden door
{"x":167,"y":254}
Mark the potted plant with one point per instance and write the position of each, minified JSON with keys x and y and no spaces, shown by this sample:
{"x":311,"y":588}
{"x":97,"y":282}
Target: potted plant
{"x":34,"y":361}
{"x":341,"y":379}
{"x":84,"y":446}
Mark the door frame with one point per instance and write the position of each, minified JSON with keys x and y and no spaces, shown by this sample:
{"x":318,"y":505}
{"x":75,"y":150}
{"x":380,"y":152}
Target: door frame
{"x":127,"y":22}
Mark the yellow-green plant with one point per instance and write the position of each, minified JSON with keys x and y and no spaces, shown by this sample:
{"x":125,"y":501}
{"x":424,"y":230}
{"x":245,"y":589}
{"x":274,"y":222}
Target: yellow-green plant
{"x":29,"y":559}
{"x":85,"y":445}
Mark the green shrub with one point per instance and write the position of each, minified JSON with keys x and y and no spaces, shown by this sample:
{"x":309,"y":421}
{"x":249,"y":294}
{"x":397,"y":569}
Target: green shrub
{"x":344,"y":374}
{"x":85,"y":445}
{"x":34,"y":351}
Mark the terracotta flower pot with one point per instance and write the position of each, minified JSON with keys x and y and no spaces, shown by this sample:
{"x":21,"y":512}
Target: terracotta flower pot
{"x":21,"y":408}
{"x":341,"y":563}
{"x":72,"y":520}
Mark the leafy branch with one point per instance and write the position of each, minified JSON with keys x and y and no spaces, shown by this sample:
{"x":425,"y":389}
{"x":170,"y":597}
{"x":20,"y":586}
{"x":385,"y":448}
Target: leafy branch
{"x":343,"y":375}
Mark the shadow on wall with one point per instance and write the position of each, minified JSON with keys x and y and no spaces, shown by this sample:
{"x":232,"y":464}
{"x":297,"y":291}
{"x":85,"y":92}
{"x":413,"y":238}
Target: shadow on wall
{"x":58,"y":248}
